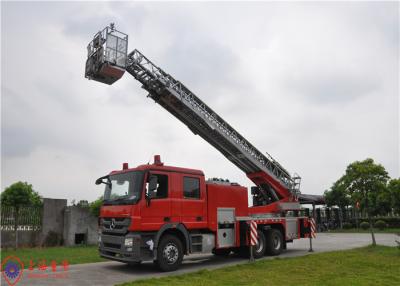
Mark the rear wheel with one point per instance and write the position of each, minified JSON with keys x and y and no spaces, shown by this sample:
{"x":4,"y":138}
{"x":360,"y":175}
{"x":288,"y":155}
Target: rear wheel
{"x":169,"y":253}
{"x":259,"y":249}
{"x":274,"y":241}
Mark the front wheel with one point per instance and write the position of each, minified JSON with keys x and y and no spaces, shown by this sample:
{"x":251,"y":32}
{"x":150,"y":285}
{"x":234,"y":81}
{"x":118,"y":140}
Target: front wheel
{"x":274,"y":242}
{"x":169,"y":253}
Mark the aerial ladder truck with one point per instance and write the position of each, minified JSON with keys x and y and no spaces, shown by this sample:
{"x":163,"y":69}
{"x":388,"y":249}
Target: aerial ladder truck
{"x":161,"y":213}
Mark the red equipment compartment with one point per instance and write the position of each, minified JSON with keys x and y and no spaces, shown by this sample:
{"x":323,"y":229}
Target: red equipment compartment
{"x":225,"y":196}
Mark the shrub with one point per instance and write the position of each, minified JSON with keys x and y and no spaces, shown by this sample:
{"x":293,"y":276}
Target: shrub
{"x":364,"y":225}
{"x":380,"y":224}
{"x":95,"y":206}
{"x":391,"y":222}
{"x":347,"y":225}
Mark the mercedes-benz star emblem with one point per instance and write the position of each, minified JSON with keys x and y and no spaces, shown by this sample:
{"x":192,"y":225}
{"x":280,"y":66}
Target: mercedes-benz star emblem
{"x":112,"y":225}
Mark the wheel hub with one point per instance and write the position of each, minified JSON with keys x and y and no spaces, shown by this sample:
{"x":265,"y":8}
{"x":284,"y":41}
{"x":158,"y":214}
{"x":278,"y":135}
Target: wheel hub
{"x":277,"y":242}
{"x":170,"y":253}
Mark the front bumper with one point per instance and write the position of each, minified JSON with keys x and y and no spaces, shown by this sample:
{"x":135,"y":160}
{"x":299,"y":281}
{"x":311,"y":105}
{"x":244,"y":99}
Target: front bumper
{"x":112,"y":247}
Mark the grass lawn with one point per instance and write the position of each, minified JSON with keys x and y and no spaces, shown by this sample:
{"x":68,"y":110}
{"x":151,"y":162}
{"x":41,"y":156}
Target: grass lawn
{"x":360,"y":230}
{"x":74,"y":254}
{"x":363,"y":266}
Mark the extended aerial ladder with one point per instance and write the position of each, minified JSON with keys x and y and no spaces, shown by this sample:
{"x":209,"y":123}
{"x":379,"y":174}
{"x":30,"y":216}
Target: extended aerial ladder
{"x":107,"y":60}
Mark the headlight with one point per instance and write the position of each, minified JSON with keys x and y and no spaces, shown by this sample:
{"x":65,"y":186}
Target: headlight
{"x":129,"y":241}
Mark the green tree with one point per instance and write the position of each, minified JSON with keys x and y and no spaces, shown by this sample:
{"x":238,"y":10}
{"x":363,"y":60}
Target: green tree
{"x":363,"y":179}
{"x":394,"y":190}
{"x":381,"y":203}
{"x":17,"y":195}
{"x":95,"y":206}
{"x":20,"y":194}
{"x":337,"y":195}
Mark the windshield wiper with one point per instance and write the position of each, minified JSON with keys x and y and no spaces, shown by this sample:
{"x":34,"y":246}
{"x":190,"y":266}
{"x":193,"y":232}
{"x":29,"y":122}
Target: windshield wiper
{"x":118,"y":199}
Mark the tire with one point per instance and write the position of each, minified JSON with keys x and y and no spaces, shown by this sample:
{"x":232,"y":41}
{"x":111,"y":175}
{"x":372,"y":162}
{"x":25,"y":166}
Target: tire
{"x":222,"y":251}
{"x":274,"y":241}
{"x":259,"y":249}
{"x":169,"y":253}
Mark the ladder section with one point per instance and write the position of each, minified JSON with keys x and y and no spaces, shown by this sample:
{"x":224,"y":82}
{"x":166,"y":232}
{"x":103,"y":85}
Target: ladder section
{"x":202,"y":120}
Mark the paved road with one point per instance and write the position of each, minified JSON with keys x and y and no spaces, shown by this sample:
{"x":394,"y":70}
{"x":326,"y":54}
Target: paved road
{"x":110,"y":273}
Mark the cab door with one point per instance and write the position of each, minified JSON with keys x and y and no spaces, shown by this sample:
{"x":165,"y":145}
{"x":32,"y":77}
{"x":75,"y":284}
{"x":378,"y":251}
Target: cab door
{"x":156,"y":204}
{"x":193,"y":202}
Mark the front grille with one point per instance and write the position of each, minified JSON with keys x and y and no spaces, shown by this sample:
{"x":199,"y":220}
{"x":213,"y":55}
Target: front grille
{"x":112,"y":245}
{"x":113,"y":233}
{"x":116,"y":226}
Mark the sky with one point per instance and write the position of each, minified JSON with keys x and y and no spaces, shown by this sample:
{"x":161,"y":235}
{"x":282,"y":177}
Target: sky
{"x":316,"y":85}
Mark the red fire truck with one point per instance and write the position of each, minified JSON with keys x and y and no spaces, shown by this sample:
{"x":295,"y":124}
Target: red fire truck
{"x":161,"y":213}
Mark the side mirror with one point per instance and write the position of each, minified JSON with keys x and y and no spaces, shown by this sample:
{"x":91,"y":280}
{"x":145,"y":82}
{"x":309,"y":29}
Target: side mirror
{"x":107,"y":193}
{"x":152,"y":186}
{"x":254,"y":190}
{"x":152,"y":183}
{"x":148,"y":199}
{"x":100,"y":181}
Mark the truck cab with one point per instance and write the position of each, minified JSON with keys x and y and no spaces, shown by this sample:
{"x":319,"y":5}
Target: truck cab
{"x":142,"y":203}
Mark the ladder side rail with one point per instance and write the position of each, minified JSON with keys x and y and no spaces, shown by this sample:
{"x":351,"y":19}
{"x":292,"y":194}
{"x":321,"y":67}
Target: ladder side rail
{"x":154,"y":74}
{"x":198,"y":127}
{"x":196,"y":103}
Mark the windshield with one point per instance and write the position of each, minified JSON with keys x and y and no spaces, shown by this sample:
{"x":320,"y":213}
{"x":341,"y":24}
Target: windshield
{"x":123,"y":188}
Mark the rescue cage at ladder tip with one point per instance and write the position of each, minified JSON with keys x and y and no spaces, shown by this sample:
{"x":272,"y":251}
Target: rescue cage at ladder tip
{"x":107,"y":55}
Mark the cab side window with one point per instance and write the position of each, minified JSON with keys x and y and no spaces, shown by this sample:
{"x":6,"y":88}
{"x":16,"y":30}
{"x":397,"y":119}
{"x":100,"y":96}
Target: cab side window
{"x":162,"y":187}
{"x":191,"y":188}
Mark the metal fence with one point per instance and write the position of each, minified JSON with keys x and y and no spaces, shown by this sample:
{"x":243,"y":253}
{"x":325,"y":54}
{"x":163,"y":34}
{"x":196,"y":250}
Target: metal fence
{"x":29,"y":218}
{"x":332,"y":217}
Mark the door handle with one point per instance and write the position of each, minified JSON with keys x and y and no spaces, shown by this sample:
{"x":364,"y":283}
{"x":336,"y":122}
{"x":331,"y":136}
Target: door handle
{"x":167,"y":219}
{"x":199,"y":218}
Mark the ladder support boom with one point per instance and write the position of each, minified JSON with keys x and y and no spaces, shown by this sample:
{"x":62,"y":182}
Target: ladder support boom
{"x":202,"y":120}
{"x":108,"y":60}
